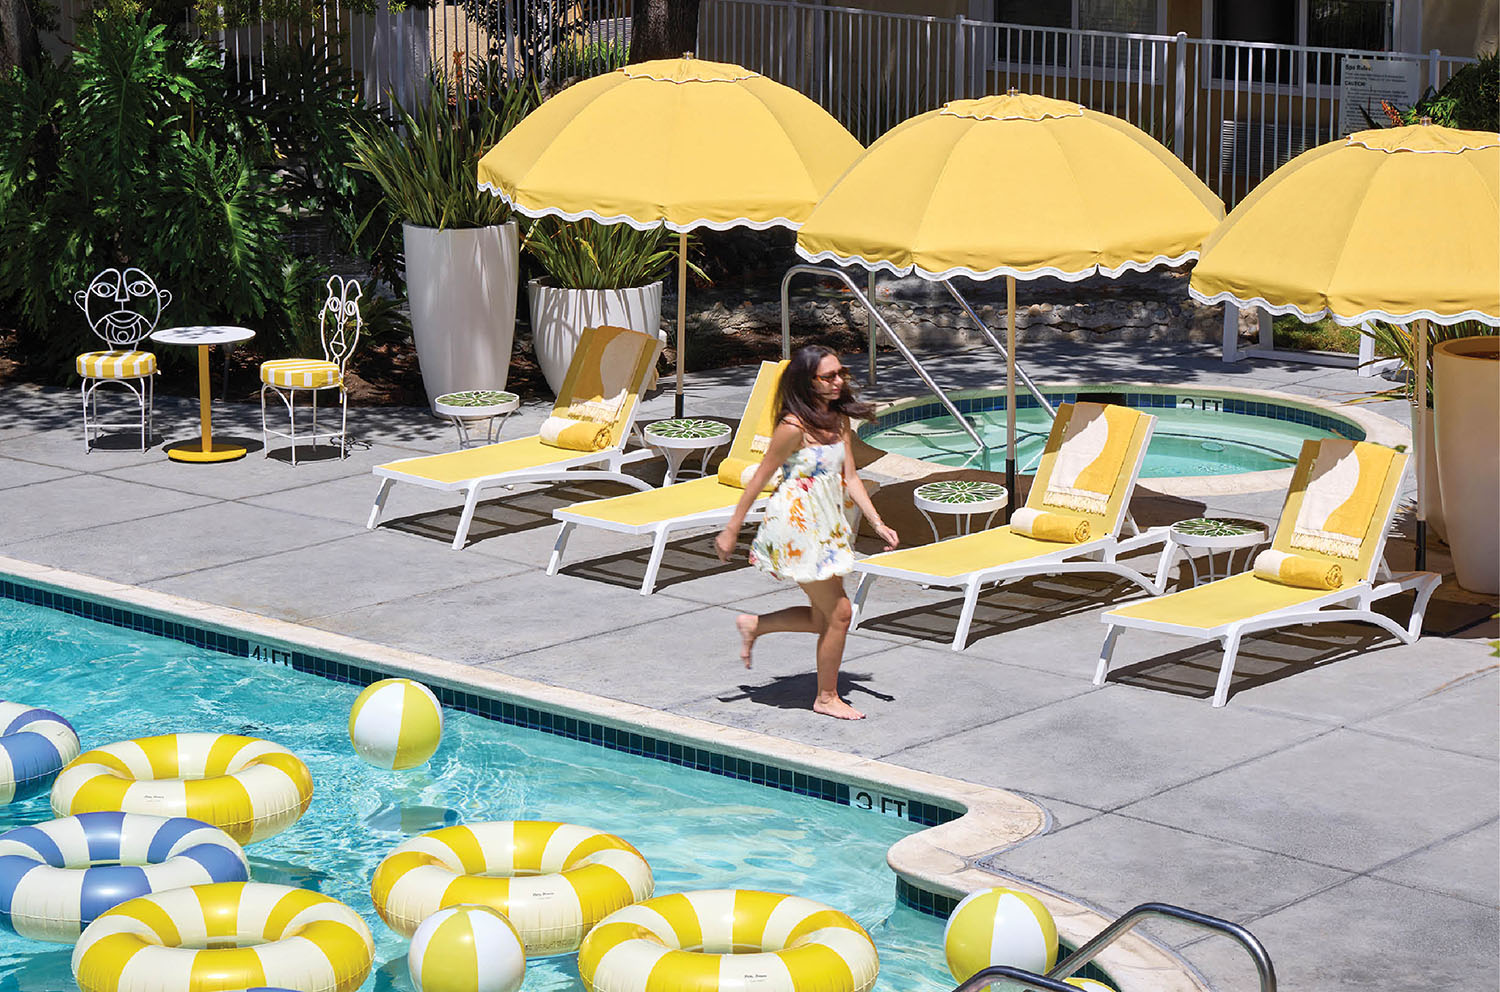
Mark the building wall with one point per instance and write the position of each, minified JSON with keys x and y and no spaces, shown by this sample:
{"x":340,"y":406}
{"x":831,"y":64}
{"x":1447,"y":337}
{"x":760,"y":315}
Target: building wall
{"x":1460,"y":27}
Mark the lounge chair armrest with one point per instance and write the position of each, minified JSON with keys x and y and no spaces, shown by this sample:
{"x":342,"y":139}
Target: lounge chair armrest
{"x":1145,"y":539}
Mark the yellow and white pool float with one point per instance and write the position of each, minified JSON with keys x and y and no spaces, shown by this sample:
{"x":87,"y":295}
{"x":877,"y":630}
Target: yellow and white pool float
{"x":230,"y":935}
{"x":553,"y":881}
{"x":247,"y":787}
{"x":728,"y":939}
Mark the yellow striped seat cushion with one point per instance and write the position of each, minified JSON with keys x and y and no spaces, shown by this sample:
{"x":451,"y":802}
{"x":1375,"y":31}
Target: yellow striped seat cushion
{"x":116,"y":364}
{"x":299,"y":373}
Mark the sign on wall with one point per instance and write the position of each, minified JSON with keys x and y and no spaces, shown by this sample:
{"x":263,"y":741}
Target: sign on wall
{"x":1366,"y":82}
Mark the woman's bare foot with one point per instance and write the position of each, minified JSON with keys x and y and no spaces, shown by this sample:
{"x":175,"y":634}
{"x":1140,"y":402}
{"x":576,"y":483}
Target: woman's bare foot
{"x":746,"y":622}
{"x":835,"y":707}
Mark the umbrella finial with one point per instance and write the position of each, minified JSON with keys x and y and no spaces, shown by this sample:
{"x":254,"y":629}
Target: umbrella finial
{"x":1425,"y":122}
{"x":1012,"y":92}
{"x":687,"y":55}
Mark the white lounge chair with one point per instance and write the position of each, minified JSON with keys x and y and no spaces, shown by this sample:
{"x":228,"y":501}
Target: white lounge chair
{"x":1229,"y":609}
{"x":1005,"y":554}
{"x":598,"y":403}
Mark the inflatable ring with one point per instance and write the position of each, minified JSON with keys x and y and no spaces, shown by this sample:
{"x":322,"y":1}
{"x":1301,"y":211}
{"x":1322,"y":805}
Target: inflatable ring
{"x":728,"y":939}
{"x":247,"y":787}
{"x":34,"y":746}
{"x":56,"y":877}
{"x":553,"y":881}
{"x":232,"y":935}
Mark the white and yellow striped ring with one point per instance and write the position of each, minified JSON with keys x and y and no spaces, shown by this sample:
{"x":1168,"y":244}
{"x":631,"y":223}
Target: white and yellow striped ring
{"x":229,"y":935}
{"x":553,"y":881}
{"x":728,"y":939}
{"x":247,"y":787}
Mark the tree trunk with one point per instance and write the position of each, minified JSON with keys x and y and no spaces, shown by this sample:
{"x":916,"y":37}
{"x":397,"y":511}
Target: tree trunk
{"x":19,"y":43}
{"x":659,"y":29}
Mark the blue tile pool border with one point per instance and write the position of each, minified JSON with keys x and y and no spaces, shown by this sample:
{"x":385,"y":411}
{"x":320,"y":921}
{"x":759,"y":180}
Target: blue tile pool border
{"x":514,"y":714}
{"x":1138,"y":399}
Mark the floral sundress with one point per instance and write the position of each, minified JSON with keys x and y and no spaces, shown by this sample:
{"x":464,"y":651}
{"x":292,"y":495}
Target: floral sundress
{"x":805,"y":533}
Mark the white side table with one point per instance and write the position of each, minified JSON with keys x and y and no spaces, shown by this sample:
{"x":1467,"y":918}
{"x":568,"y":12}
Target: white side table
{"x":471,"y":407}
{"x":960,"y":498}
{"x":205,"y":449}
{"x":681,"y":436}
{"x":1212,"y":535}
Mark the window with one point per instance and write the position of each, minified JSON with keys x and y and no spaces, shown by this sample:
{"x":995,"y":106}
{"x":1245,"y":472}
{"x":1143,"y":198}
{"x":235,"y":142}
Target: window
{"x":1350,"y":24}
{"x":1050,"y":48}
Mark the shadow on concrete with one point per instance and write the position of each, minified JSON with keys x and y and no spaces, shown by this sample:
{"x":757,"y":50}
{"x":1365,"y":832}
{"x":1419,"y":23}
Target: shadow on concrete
{"x":503,"y":515}
{"x":796,"y":692}
{"x":684,"y":561}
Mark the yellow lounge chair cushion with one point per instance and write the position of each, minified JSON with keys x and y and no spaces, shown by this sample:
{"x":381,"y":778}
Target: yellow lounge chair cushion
{"x":1298,"y":570}
{"x":971,"y":553}
{"x":1239,"y":597}
{"x":300,"y":373}
{"x":655,"y":505}
{"x":1062,"y":528}
{"x":477,"y":463}
{"x":574,"y":435}
{"x":116,"y":364}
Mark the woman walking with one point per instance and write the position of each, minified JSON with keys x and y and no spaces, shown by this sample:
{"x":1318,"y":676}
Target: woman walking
{"x":805,"y":534}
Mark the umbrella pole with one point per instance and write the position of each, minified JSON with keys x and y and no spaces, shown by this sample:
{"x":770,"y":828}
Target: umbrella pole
{"x":1010,"y":396}
{"x":1419,"y":441}
{"x":681,"y":314}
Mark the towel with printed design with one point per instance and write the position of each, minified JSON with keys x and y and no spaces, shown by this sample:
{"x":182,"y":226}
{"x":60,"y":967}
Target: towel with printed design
{"x":1342,"y":493}
{"x":1039,"y":525}
{"x":1089,"y":459}
{"x":607,"y":376}
{"x":1298,"y":570}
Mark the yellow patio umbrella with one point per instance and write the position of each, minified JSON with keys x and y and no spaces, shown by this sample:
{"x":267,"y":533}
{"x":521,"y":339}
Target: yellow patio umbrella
{"x":1020,"y":186}
{"x":686,"y":142}
{"x":1396,"y":224}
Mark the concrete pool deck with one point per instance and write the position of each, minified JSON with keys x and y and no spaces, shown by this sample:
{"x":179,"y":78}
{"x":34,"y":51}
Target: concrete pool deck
{"x":1343,"y":806}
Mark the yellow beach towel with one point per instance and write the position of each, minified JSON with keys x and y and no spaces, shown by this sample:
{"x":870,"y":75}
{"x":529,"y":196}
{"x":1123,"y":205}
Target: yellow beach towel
{"x":1088,"y":461}
{"x":1039,"y":525}
{"x":1298,"y":570}
{"x":1342,"y":492}
{"x":605,"y":375}
{"x":575,"y":435}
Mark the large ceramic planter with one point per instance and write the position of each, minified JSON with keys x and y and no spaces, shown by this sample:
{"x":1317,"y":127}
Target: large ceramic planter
{"x":558,"y":317}
{"x":462,"y":286}
{"x":1466,"y":388}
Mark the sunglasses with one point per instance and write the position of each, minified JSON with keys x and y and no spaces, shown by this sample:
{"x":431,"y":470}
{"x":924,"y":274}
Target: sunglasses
{"x":833,"y":377}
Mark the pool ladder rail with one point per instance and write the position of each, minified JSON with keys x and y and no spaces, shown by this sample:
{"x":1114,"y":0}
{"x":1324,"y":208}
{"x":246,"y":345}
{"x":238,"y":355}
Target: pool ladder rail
{"x":981,"y":449}
{"x":1053,"y":980}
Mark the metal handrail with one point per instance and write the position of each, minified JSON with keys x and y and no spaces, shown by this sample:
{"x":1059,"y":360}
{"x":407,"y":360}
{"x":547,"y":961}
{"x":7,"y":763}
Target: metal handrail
{"x":981,"y":448}
{"x":984,"y":328}
{"x":1053,"y":982}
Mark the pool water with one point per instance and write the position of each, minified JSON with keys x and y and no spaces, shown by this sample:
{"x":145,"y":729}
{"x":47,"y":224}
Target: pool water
{"x":1185,"y":441}
{"x":697,"y":830}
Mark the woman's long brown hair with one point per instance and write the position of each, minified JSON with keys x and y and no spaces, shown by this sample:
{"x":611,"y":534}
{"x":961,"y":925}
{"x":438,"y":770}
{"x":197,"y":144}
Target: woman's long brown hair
{"x":795,"y":396}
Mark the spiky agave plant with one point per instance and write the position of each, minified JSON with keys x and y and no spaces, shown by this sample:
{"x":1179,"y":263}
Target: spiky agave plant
{"x":585,"y":254}
{"x":1400,"y":342}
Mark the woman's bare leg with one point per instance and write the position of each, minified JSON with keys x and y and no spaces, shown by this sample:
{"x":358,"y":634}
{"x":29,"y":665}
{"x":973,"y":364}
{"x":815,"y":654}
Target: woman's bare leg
{"x":793,"y":619}
{"x":830,"y":602}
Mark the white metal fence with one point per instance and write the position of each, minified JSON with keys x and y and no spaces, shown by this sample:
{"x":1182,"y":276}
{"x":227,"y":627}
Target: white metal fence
{"x":1233,"y":111}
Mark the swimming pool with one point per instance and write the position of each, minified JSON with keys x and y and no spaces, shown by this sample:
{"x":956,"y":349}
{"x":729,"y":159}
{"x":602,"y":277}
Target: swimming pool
{"x":1198,"y":433}
{"x":697,"y":830}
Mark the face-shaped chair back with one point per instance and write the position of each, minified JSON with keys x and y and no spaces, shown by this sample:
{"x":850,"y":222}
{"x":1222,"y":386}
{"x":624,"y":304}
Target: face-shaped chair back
{"x":340,"y":322}
{"x":122,"y":307}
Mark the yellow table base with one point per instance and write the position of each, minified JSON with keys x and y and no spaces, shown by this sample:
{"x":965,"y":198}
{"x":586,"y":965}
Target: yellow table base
{"x":192,"y":451}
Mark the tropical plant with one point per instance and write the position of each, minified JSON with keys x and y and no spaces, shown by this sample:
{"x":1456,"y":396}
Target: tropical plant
{"x":1470,"y":99}
{"x":585,"y":254}
{"x":1400,"y":342}
{"x":426,"y":165}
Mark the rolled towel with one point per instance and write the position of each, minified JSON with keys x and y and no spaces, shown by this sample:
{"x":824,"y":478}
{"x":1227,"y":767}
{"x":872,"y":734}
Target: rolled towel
{"x":1042,"y":526}
{"x":575,"y":435}
{"x":737,"y":472}
{"x":1298,"y":570}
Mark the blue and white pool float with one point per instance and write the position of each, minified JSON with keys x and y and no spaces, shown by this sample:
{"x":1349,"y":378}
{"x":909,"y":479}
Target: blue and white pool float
{"x":55,"y":877}
{"x":34,"y":745}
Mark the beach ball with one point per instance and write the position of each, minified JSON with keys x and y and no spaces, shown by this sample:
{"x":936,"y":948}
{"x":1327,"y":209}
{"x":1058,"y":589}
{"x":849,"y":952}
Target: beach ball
{"x":396,"y":723}
{"x":1088,"y":984}
{"x":999,"y":927}
{"x":466,"y":949}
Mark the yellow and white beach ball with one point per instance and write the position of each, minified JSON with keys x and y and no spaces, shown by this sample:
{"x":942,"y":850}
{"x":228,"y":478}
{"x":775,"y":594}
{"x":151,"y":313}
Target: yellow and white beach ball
{"x":1088,"y":984}
{"x":396,"y":723}
{"x":466,"y":949}
{"x":999,"y":927}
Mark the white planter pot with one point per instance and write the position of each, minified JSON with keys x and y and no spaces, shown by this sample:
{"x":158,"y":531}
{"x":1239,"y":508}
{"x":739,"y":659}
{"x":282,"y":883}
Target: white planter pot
{"x":558,"y":317}
{"x":462,"y":286}
{"x":1466,"y":384}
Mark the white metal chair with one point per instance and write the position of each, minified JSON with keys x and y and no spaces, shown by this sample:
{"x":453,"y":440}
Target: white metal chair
{"x":339,"y":324}
{"x":122,"y":307}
